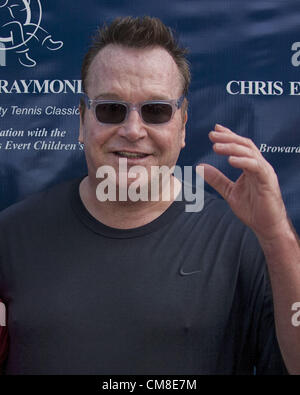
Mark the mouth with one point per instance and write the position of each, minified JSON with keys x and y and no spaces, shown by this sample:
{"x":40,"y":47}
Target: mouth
{"x":131,"y":155}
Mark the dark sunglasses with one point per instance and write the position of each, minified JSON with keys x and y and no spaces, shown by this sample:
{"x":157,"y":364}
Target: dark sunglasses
{"x":115,"y":111}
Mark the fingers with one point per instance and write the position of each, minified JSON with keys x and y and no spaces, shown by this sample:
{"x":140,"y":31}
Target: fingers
{"x":248,"y":164}
{"x":233,"y":149}
{"x":217,"y":180}
{"x":242,"y":152}
{"x":224,"y":135}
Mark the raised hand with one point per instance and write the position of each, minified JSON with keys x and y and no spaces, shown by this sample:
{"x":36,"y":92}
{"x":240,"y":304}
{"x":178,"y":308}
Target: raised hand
{"x":255,"y":196}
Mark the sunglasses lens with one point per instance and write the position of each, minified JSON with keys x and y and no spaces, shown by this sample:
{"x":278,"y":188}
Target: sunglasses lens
{"x":156,"y":112}
{"x":110,"y":112}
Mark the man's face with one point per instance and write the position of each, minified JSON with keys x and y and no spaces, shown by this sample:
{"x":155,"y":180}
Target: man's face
{"x":132,"y":75}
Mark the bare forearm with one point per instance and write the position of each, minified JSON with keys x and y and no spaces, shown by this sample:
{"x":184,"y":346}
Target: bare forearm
{"x":256,"y":199}
{"x":283,"y":259}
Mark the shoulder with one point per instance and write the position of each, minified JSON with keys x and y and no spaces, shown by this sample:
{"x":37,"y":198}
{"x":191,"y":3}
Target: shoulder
{"x":38,"y":205}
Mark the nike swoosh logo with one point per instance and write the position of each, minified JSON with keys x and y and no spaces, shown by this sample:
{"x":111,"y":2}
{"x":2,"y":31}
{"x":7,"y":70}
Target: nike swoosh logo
{"x":183,"y":273}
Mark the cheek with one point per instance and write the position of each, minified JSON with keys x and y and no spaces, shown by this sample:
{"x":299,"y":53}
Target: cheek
{"x":95,"y":136}
{"x":176,"y":138}
{"x":96,"y":140}
{"x":169,"y":144}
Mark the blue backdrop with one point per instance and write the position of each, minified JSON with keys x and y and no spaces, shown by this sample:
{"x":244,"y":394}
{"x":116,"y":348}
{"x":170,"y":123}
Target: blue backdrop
{"x":245,"y":59}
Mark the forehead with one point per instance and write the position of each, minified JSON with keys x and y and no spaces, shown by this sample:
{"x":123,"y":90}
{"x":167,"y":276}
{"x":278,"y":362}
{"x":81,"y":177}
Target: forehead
{"x":132,"y":71}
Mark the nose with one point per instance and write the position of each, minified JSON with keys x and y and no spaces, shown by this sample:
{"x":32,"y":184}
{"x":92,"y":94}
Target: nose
{"x":133,"y":128}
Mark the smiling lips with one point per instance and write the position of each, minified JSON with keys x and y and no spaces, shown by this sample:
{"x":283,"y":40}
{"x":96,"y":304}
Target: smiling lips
{"x":131,"y":155}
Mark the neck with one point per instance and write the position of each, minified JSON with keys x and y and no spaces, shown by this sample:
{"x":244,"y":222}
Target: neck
{"x":125,"y":214}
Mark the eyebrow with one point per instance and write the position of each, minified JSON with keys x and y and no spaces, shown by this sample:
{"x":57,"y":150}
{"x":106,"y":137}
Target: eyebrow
{"x":115,"y":96}
{"x":108,"y":95}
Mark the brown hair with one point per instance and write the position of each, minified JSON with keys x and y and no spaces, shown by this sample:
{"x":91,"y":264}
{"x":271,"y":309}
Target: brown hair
{"x":139,"y":32}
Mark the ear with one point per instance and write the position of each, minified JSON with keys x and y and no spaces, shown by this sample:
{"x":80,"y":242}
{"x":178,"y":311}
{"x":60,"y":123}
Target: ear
{"x":183,"y":134}
{"x":81,"y":132}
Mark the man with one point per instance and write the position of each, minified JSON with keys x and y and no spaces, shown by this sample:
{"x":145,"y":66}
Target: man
{"x":119,"y":286}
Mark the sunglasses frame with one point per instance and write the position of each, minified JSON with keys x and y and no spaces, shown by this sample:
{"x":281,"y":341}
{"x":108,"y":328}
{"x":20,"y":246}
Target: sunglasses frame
{"x":92,"y":104}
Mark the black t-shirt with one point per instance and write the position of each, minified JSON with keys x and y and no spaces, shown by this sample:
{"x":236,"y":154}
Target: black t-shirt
{"x":187,"y":293}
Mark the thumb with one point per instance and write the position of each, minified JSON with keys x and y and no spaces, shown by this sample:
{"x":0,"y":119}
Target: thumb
{"x":216,"y":179}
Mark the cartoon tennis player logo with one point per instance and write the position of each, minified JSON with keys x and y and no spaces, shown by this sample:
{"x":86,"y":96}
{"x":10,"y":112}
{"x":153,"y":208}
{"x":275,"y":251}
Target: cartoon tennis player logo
{"x":20,"y":22}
